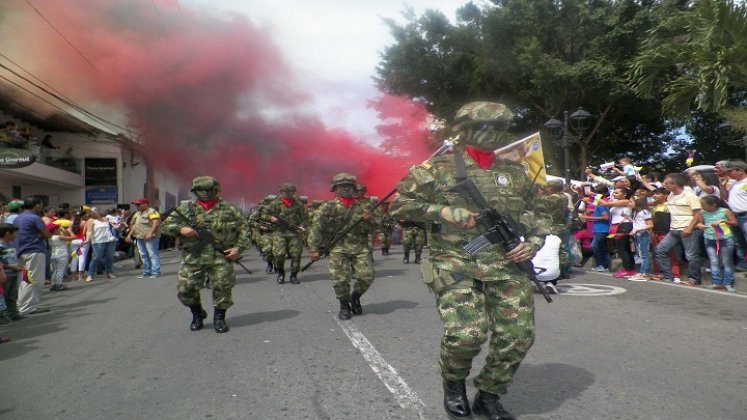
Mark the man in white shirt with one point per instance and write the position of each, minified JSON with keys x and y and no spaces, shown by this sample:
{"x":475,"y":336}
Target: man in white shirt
{"x":736,"y":171}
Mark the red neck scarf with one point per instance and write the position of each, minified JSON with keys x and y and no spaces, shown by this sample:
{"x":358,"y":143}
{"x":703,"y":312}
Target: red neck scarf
{"x":481,"y":158}
{"x":207,"y":205}
{"x":347,"y":202}
{"x":286,"y":201}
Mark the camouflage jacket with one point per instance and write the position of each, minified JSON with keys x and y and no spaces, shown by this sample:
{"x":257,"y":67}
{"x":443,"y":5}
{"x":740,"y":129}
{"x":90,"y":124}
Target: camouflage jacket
{"x":332,"y":218}
{"x":424,"y":192}
{"x":556,"y":207}
{"x":295,"y":215}
{"x":224,"y":221}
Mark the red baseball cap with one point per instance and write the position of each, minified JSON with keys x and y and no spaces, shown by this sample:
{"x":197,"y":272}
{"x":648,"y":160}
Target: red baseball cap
{"x":140,"y":201}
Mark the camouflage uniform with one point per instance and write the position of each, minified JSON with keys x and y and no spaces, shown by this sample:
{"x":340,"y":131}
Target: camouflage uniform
{"x":351,"y":255}
{"x":385,"y":230}
{"x":479,"y":297}
{"x":227,"y":224}
{"x":555,"y":204}
{"x":263,"y":237}
{"x":286,"y":238}
{"x":413,"y":239}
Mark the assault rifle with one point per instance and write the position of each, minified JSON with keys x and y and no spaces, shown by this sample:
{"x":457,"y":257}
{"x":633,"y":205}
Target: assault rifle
{"x":339,"y":235}
{"x":498,"y":229}
{"x":283,"y":222}
{"x":204,"y":238}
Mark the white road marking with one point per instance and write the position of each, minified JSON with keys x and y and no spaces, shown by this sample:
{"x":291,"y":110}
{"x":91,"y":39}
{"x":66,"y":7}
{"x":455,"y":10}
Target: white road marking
{"x":407,"y":398}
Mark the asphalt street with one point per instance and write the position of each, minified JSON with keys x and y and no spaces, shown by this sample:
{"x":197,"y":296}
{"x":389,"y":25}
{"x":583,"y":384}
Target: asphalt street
{"x":605,"y":349}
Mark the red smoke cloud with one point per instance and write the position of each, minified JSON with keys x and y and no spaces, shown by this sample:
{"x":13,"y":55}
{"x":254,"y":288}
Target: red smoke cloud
{"x":212,"y":95}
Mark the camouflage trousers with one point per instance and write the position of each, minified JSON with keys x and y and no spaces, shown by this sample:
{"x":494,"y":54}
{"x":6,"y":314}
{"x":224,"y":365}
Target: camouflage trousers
{"x":264,"y":243}
{"x":220,"y":276}
{"x":343,"y":264}
{"x":505,"y":309}
{"x":413,"y":239}
{"x":287,"y":243}
{"x":385,"y":238}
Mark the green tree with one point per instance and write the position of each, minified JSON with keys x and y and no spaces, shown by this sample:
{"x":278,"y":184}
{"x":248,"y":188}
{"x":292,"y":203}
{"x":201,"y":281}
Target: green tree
{"x":696,"y":60}
{"x":541,"y":57}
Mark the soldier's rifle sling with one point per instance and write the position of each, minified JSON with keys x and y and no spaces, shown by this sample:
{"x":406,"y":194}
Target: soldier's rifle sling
{"x":446,"y":146}
{"x":205,"y":236}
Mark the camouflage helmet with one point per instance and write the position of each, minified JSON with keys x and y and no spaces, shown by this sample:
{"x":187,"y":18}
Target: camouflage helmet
{"x":288,"y":187}
{"x":343,"y":178}
{"x":483,"y":111}
{"x":205,"y":183}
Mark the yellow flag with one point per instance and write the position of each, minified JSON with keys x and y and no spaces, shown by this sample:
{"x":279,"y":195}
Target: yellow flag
{"x":528,"y":152}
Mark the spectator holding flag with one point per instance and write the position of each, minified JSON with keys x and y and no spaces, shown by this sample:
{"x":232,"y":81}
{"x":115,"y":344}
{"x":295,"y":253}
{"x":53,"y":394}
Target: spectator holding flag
{"x":601,"y":227}
{"x":716,"y":223}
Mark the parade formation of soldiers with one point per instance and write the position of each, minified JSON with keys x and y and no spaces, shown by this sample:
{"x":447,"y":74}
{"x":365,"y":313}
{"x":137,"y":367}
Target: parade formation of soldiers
{"x":480,"y":297}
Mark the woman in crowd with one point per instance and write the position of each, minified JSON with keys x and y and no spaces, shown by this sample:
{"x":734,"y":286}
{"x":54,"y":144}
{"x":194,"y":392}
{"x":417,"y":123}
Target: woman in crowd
{"x":103,"y":239}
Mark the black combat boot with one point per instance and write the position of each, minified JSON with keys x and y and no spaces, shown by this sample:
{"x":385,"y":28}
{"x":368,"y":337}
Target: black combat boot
{"x":406,"y":258}
{"x":281,"y":275}
{"x":294,"y":278}
{"x":219,"y":321}
{"x":384,"y":251}
{"x":417,"y":258}
{"x":488,"y":406}
{"x":198,"y":314}
{"x":270,"y":268}
{"x":355,"y":303}
{"x":344,"y":313}
{"x":455,"y":400}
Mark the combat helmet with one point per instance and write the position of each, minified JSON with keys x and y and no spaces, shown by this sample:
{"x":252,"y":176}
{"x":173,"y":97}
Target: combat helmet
{"x":343,"y":178}
{"x":483,"y":112}
{"x":204,"y":183}
{"x":483,"y":125}
{"x":205,"y":187}
{"x":288,"y":187}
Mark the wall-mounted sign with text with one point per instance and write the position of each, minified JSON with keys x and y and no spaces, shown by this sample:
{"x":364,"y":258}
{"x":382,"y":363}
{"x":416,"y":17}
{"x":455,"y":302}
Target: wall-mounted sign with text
{"x":15,"y":158}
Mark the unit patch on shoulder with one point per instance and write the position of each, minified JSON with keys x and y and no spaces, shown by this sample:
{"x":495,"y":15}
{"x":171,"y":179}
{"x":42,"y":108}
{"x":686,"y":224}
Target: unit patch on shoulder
{"x":503,"y":180}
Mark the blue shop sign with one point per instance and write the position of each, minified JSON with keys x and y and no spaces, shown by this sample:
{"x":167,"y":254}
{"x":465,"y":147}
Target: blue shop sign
{"x":101,"y":195}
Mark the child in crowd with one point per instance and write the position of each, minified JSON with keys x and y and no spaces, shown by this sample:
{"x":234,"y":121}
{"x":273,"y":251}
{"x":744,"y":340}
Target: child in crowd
{"x":628,"y":169}
{"x":716,"y":223}
{"x":79,"y":246}
{"x":661,"y":220}
{"x":13,"y":270}
{"x":60,"y":254}
{"x":642,"y":225}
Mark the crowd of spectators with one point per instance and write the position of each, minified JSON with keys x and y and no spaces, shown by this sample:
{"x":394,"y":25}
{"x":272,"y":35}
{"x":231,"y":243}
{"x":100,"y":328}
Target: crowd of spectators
{"x":671,"y":229}
{"x":47,"y":246}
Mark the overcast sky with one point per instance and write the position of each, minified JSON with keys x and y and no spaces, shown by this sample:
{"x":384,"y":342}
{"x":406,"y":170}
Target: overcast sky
{"x":334,"y":45}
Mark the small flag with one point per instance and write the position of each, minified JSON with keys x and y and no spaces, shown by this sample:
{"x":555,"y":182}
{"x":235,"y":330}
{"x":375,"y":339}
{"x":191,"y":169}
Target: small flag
{"x":595,"y":198}
{"x":722,"y":230}
{"x":690,"y":158}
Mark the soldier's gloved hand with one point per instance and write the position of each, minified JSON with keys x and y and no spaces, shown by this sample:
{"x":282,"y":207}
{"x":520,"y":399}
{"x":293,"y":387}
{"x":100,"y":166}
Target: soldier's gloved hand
{"x":273,"y":219}
{"x":523,"y":252}
{"x":188,"y":232}
{"x":232,"y":254}
{"x":314,"y":255}
{"x":301,"y":229}
{"x":459,"y":216}
{"x":366,"y":215}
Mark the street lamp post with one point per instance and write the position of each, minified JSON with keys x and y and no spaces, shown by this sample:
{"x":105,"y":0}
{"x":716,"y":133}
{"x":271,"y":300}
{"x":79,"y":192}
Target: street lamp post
{"x":578,"y":122}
